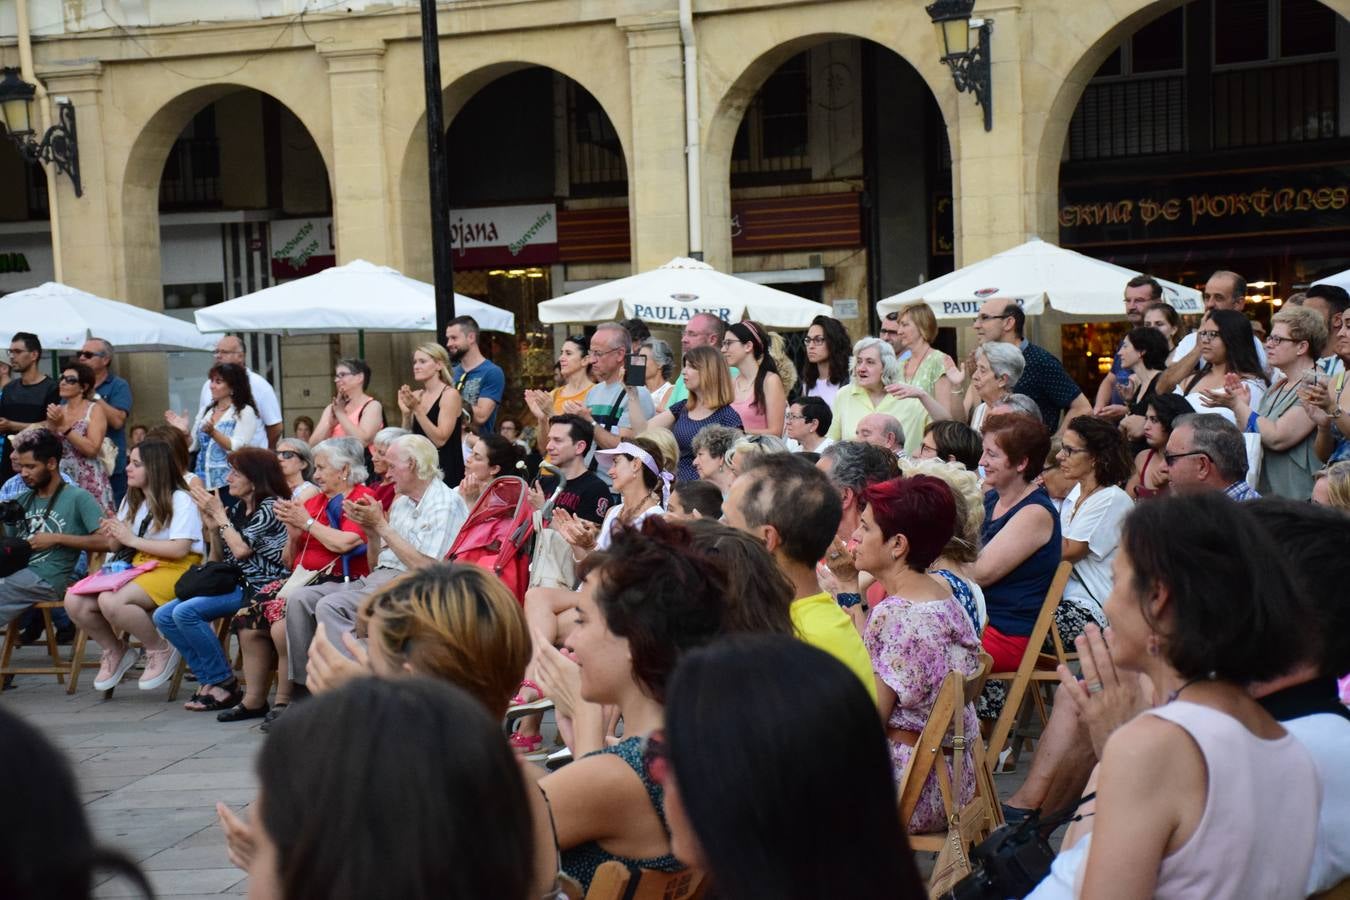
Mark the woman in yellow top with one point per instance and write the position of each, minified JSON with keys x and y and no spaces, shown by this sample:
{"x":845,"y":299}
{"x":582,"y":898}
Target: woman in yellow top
{"x":874,"y":368}
{"x":574,"y":365}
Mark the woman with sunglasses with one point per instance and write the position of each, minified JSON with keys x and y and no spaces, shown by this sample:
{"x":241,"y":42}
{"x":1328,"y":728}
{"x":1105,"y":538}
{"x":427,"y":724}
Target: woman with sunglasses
{"x":353,"y":413}
{"x":740,"y":788}
{"x":80,"y":424}
{"x":297,"y":466}
{"x":1226,"y":346}
{"x":643,"y":603}
{"x":1149,"y":478}
{"x":760,"y":400}
{"x":1287,"y":431}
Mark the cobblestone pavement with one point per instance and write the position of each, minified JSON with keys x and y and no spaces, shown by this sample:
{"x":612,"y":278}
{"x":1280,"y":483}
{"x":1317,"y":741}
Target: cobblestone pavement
{"x":151,"y":774}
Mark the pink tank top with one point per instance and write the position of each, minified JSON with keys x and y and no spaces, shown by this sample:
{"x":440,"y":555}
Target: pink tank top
{"x":338,"y":430}
{"x":1259,"y":828}
{"x":751,"y":416}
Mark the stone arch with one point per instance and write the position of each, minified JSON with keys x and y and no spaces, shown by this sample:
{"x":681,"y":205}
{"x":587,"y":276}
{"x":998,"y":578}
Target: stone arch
{"x":144,"y":166}
{"x":413,"y":210}
{"x":735,"y":63}
{"x":1079,"y":44}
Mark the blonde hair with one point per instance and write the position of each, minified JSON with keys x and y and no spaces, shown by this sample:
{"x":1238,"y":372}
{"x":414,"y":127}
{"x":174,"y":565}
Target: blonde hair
{"x":664,"y":438}
{"x":454,"y":622}
{"x":1338,"y":483}
{"x":715,"y":389}
{"x":440,"y":357}
{"x":1305,"y":324}
{"x":964,"y":546}
{"x":921,"y":316}
{"x":786,"y":370}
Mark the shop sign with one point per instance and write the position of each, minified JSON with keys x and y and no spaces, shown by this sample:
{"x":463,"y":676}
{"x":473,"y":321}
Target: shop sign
{"x":1196,"y":207}
{"x":25,"y":261}
{"x":506,"y":236}
{"x":302,"y":247}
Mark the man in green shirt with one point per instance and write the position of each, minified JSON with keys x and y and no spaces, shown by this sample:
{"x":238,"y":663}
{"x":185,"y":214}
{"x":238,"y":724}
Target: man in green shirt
{"x":791,"y":506}
{"x":60,"y":520}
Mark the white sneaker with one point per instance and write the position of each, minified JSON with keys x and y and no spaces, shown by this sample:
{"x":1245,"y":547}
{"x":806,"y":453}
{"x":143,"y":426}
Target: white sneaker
{"x":159,"y":667}
{"x":114,"y":667}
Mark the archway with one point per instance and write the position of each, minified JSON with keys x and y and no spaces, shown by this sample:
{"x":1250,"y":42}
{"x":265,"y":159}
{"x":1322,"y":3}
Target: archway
{"x":1210,"y":136}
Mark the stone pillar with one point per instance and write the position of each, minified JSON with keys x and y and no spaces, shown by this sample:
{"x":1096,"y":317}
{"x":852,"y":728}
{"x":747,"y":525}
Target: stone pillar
{"x":658,"y":200}
{"x":361,"y":197}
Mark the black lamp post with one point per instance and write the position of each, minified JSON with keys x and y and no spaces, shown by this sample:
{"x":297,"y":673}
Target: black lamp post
{"x":57,"y":146}
{"x":969,"y":65}
{"x":438,"y":171}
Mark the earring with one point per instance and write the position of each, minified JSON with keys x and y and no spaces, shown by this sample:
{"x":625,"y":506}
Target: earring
{"x":1154,"y":645}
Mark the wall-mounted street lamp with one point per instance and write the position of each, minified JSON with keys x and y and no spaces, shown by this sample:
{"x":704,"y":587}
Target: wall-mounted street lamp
{"x":58,"y":145}
{"x":969,"y":65}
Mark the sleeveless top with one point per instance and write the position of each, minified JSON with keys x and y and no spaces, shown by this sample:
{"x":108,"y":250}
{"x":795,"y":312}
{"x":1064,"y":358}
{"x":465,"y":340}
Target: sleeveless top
{"x":1147,"y":493}
{"x":962,"y":591}
{"x":1287,"y":473}
{"x":451,"y":453}
{"x":1257,"y":834}
{"x":339,"y":431}
{"x":1014,"y":601}
{"x":751,"y":415}
{"x":581,"y":861}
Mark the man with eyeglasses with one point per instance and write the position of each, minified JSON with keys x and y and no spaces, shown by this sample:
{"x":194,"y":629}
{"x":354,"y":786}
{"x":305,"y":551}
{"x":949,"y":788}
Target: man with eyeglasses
{"x":610,"y":405}
{"x":890,"y":332}
{"x":1205,"y":452}
{"x":1223,"y":290}
{"x":703,"y":330}
{"x":113,"y":396}
{"x":1044,"y":378}
{"x":25,"y":399}
{"x":230,"y":349}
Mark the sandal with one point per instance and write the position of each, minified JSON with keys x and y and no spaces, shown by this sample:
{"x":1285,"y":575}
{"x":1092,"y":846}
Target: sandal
{"x":272,"y":717}
{"x":204,"y":702}
{"x":522,"y":707}
{"x":519,"y":698}
{"x":241,"y":713}
{"x":527,"y":743}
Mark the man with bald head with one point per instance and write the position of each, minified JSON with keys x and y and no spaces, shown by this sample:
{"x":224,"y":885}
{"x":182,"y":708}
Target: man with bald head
{"x":1223,"y":290}
{"x":881,"y":430}
{"x":230,"y":349}
{"x":1044,"y":379}
{"x":703,"y":330}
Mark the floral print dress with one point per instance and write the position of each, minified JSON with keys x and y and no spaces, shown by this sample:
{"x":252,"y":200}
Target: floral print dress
{"x":913,"y":646}
{"x":89,"y":474}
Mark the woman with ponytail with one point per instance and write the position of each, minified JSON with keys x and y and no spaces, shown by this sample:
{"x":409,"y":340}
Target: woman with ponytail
{"x":761,"y":400}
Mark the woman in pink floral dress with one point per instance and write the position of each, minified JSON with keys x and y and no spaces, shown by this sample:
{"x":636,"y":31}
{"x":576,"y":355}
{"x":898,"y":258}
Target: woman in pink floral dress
{"x":919,"y":632}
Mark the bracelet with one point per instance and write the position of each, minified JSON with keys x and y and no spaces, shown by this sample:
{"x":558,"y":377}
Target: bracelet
{"x":847,"y":600}
{"x":1252,"y":427}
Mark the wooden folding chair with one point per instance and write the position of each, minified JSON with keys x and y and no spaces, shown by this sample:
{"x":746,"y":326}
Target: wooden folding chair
{"x":613,"y":881}
{"x":1036,"y":667}
{"x":57,"y":666}
{"x":967,"y":824}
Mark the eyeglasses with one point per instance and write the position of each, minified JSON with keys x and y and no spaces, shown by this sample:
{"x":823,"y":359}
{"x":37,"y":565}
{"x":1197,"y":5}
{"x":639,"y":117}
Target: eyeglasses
{"x":70,"y":379}
{"x":89,"y":354}
{"x":1171,"y":458}
{"x":730,"y":342}
{"x":1207,"y":334}
{"x":795,"y":417}
{"x":984,"y":318}
{"x":1070,"y":451}
{"x":656,"y":757}
{"x":287,"y":454}
{"x":890,"y":332}
{"x":599,"y":353}
{"x":814,"y":340}
{"x":1280,"y":340}
{"x":340,"y":375}
{"x":893,"y":316}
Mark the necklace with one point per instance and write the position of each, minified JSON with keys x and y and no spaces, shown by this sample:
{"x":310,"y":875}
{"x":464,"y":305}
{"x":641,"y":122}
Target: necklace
{"x":917,"y":363}
{"x":1177,"y":693}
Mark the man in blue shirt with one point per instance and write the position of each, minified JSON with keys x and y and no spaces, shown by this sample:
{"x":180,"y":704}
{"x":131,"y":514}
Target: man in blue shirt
{"x":1044,"y":378}
{"x":478,"y":379}
{"x":113,"y":395}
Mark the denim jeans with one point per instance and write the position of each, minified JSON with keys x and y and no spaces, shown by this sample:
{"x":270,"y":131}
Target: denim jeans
{"x":187,"y":625}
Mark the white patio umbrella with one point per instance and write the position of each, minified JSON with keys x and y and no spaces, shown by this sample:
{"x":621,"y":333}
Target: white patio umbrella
{"x":359,"y":296}
{"x":1036,"y":274}
{"x":1340,"y":279}
{"x":64,"y":318}
{"x":676,"y":292}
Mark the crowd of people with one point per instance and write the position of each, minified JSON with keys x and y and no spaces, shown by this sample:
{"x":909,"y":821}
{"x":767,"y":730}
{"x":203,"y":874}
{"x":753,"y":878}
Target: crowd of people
{"x":747,"y":589}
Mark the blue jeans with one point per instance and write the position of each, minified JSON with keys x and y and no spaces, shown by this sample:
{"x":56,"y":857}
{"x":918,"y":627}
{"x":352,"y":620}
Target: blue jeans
{"x":187,"y":625}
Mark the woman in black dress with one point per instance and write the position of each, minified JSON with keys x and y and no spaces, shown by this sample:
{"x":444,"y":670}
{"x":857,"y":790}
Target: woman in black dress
{"x":434,"y":410}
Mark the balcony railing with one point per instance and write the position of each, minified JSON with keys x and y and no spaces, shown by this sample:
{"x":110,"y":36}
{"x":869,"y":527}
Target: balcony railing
{"x":1277,"y":104}
{"x":1134,"y":117}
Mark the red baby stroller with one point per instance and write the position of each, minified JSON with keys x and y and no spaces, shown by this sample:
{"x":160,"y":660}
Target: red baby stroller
{"x":499,"y":533}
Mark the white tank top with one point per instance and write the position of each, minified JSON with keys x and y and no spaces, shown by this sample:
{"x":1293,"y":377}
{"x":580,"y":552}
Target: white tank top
{"x":1259,"y":828}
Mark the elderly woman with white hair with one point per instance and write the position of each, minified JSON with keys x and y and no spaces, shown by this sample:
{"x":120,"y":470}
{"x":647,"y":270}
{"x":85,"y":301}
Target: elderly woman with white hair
{"x":660,"y":362}
{"x":381,"y":483}
{"x":874,"y":368}
{"x":998,"y":366}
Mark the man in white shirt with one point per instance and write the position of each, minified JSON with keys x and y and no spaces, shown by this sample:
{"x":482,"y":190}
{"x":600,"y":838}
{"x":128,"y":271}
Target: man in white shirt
{"x":230,"y":349}
{"x":1224,"y":290}
{"x":423,"y":522}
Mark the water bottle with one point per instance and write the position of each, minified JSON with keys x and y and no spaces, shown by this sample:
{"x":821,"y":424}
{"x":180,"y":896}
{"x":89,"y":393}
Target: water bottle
{"x":117,"y":565}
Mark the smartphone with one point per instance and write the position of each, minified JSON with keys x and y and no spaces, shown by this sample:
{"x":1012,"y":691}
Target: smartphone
{"x":636,"y":373}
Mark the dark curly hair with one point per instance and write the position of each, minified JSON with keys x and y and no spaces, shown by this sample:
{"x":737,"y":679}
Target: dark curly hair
{"x":1111,"y":461}
{"x":661,"y":594}
{"x":841,"y":348}
{"x":236,"y":376}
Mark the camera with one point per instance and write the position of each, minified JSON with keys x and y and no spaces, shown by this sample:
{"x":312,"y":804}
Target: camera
{"x":12,"y":513}
{"x":1009,"y":863}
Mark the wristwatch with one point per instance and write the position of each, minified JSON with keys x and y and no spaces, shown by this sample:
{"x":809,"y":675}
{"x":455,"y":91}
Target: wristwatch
{"x":847,"y":599}
{"x":309,"y":523}
{"x":97,"y":396}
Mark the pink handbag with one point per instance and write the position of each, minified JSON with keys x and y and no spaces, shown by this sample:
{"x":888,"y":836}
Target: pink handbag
{"x":101,"y":580}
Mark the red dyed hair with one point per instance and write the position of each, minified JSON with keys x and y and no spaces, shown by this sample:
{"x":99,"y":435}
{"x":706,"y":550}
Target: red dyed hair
{"x":1022,"y":439}
{"x":921,"y":508}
